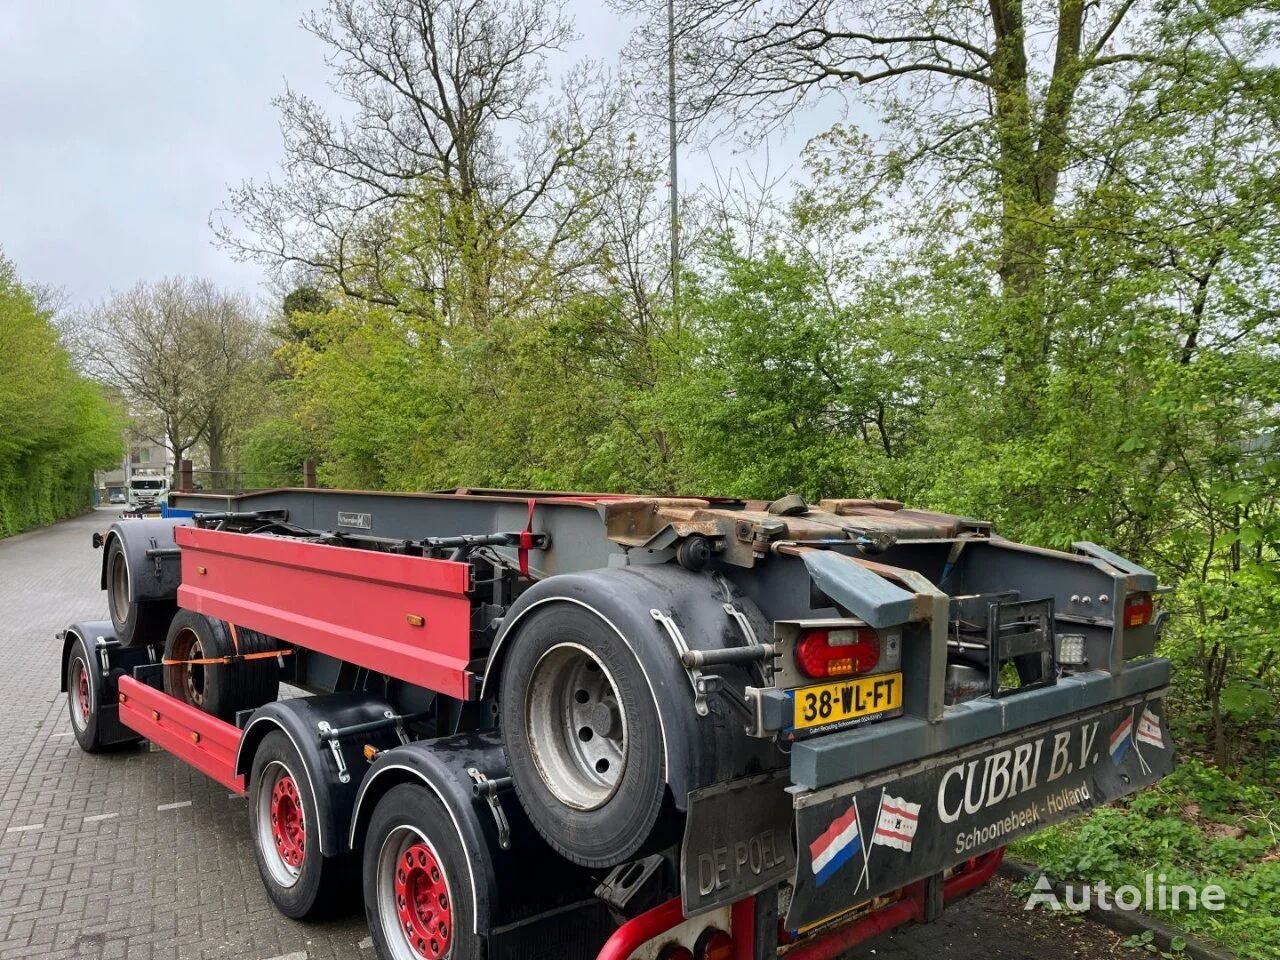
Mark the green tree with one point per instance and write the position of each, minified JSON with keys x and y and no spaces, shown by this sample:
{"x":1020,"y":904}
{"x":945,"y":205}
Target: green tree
{"x":55,"y":426}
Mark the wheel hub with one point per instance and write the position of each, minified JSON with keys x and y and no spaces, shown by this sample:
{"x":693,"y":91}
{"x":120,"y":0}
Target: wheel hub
{"x":604,"y":720}
{"x":119,"y":589}
{"x":194,"y":678}
{"x":82,"y":692}
{"x":422,"y":903}
{"x":287,"y":826}
{"x":184,"y":678}
{"x":577,"y":727}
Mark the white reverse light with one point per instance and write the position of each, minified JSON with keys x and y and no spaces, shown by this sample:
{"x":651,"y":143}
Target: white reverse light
{"x":1071,"y":649}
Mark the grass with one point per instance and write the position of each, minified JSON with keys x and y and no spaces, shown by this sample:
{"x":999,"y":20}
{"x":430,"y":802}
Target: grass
{"x":1197,"y":826}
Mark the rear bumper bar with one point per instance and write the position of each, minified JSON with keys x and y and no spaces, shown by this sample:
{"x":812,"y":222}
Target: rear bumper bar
{"x":912,"y":906}
{"x":869,"y":835}
{"x":831,"y":759}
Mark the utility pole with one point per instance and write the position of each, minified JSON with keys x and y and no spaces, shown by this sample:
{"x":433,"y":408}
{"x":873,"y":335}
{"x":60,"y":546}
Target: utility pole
{"x":671,"y":144}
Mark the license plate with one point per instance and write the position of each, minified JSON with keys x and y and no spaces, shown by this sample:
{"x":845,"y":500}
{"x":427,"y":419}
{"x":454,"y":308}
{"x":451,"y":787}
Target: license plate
{"x":826,"y":704}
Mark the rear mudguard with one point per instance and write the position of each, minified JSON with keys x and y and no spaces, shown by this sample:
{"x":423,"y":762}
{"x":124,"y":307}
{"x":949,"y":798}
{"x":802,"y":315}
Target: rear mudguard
{"x":150,"y":578}
{"x":300,"y":718}
{"x":524,"y":891}
{"x":108,"y":662}
{"x":700,"y":748}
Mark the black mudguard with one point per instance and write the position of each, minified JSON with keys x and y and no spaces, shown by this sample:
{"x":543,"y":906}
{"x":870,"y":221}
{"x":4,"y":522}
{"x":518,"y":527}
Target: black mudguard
{"x":108,"y":662}
{"x":529,"y":901}
{"x":150,"y":578}
{"x":300,"y":719}
{"x":699,"y":749}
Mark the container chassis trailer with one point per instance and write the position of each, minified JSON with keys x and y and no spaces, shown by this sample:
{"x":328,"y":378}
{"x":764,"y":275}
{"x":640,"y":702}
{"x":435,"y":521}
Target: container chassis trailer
{"x":530,"y":724}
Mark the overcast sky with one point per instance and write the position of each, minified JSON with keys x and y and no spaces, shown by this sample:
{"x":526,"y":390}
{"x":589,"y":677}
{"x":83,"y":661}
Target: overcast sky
{"x":123,"y":123}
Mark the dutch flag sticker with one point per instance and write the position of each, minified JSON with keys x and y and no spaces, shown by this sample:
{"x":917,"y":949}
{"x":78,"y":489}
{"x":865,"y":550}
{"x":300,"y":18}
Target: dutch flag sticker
{"x":1122,"y":739}
{"x":836,"y":846}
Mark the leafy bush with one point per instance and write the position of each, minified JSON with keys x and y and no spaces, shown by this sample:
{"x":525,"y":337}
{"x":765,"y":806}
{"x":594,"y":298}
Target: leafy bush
{"x":272,"y":453}
{"x":1197,"y":826}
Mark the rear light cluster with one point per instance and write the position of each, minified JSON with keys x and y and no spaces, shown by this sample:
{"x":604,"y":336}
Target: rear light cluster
{"x":838,"y":652}
{"x":712,"y":944}
{"x":1137,"y":610}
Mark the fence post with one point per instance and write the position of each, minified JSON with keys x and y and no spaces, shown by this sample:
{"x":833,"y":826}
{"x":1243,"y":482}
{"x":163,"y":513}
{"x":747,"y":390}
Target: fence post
{"x":184,"y":476}
{"x":308,"y":473}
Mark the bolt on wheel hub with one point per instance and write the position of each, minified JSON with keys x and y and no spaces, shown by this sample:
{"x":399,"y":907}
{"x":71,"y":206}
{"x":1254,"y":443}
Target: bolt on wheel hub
{"x":422,"y":903}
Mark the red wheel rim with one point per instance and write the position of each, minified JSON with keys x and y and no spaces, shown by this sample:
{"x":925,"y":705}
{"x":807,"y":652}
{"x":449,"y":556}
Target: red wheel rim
{"x":287,"y":826}
{"x":422,"y":902}
{"x":82,"y":690}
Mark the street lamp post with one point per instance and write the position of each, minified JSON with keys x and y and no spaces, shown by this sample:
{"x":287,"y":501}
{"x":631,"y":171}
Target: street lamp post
{"x":671,"y":144}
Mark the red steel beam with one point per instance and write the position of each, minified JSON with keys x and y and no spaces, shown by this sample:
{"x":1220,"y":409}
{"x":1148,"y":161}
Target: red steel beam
{"x":635,"y":933}
{"x":742,"y":924}
{"x":407,"y":617}
{"x":202,"y":740}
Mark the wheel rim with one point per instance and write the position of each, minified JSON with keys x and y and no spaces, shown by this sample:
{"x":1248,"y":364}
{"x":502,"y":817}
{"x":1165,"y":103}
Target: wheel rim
{"x":414,"y":897}
{"x":577,"y":727}
{"x":81,"y":698}
{"x":120,"y":589}
{"x":190,"y":676}
{"x":286,"y":822}
{"x":282,"y":824}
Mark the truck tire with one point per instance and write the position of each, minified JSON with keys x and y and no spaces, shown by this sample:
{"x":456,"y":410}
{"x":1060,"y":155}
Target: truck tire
{"x":300,"y":880}
{"x":83,"y":699}
{"x":417,"y":891}
{"x":137,"y":622}
{"x":220,"y":689}
{"x":259,"y":680}
{"x":582,"y":739}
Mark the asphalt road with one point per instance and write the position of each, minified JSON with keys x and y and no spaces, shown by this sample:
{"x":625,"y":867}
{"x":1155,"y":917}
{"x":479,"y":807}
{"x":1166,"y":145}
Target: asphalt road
{"x":136,"y":856}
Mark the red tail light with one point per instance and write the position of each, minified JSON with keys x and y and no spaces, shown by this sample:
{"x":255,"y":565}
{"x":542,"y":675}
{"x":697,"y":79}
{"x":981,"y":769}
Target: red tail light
{"x":713,"y":945}
{"x":838,"y":652}
{"x":1137,"y":610}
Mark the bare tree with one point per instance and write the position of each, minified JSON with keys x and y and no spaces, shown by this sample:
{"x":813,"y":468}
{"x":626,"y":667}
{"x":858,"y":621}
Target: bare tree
{"x":967,"y":89}
{"x":175,"y":350}
{"x":235,"y":372}
{"x":452,"y":124}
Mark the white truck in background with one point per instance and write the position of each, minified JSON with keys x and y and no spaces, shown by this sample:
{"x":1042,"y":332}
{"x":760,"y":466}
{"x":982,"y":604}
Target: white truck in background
{"x":146,"y":490}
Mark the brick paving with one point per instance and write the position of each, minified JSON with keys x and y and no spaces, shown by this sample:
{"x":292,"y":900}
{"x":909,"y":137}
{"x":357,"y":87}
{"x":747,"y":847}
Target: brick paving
{"x":132,"y":880}
{"x":134,"y":855}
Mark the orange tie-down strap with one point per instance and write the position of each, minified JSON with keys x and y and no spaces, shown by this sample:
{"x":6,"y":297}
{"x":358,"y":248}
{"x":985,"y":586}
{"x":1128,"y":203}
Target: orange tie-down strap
{"x":234,"y":658}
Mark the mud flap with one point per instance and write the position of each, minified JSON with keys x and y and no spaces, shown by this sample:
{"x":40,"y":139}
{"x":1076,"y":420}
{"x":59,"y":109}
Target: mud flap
{"x":737,"y":841}
{"x":868,"y":837}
